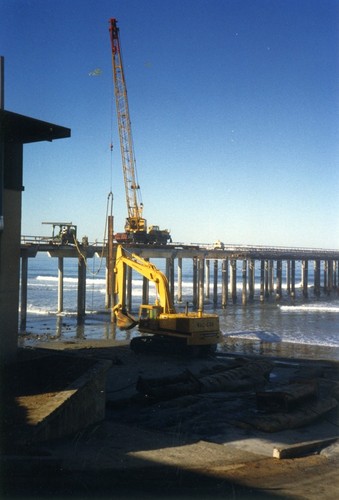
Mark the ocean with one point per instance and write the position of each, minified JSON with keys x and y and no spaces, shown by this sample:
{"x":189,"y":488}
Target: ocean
{"x":300,"y":327}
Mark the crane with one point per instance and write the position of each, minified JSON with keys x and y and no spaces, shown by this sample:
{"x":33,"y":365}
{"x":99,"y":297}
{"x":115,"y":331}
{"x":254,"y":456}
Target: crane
{"x":161,"y":323}
{"x":136,"y":230}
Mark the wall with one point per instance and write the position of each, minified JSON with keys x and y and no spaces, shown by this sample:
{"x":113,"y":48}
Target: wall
{"x":9,"y":275}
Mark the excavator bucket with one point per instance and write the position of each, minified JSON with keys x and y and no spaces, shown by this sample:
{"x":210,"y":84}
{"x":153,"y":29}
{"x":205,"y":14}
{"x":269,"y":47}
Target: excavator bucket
{"x":124,"y":320}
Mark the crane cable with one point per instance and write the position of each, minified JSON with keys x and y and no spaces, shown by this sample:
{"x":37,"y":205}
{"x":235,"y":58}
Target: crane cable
{"x":81,"y":255}
{"x":109,"y":202}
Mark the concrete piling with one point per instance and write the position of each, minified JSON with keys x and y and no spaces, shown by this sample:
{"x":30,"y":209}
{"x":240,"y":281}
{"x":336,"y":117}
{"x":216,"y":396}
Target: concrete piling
{"x":195,"y":282}
{"x":251,"y":279}
{"x":279,"y":280}
{"x":179,"y":291}
{"x":262,"y":281}
{"x":60,"y":284}
{"x":224,"y":283}
{"x":234,"y":280}
{"x":207,"y":279}
{"x":317,"y":278}
{"x":293,"y":279}
{"x":215,"y":282}
{"x":81,"y":289}
{"x":201,"y":275}
{"x":244,"y":282}
{"x":305,"y":277}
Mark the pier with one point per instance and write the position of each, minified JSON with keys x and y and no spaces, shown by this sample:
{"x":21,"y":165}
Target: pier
{"x":265,"y":273}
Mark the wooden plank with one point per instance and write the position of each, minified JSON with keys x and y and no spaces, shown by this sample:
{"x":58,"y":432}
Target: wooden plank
{"x":300,"y":449}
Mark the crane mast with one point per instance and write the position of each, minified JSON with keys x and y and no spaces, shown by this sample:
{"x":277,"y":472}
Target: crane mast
{"x":134,"y":222}
{"x":136,"y":230}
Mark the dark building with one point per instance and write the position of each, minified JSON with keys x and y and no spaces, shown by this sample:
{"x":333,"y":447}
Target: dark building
{"x":15,"y":131}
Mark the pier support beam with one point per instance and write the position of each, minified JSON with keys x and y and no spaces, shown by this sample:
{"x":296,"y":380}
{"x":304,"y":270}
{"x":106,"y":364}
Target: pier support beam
{"x":215,"y":283}
{"x":207,"y":279}
{"x":81,"y":290}
{"x":271,"y":277}
{"x":305,"y":277}
{"x":244,"y":282}
{"x":288,"y":277}
{"x":179,"y":293}
{"x":234,"y":280}
{"x":60,"y":284}
{"x":195,"y":282}
{"x":293,"y":279}
{"x":335,"y":266}
{"x":330,"y":276}
{"x":267,"y":281}
{"x":201,"y":278}
{"x":251,"y":279}
{"x":224,"y":283}
{"x":279,"y":280}
{"x":262,"y":281}
{"x":326,"y":276}
{"x":170,"y":274}
{"x":317,"y":278}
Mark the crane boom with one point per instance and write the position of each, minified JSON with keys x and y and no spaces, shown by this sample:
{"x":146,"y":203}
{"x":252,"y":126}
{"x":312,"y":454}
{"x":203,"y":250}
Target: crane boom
{"x":136,"y":230}
{"x":135,"y":221}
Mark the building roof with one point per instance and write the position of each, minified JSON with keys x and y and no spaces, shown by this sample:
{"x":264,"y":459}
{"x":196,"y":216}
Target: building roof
{"x":23,"y":129}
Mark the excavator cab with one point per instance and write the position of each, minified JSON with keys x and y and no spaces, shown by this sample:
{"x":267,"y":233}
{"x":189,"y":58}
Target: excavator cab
{"x":148,"y":316}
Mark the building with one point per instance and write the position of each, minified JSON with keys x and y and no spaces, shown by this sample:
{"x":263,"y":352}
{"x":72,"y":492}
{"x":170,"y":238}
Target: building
{"x":15,"y":131}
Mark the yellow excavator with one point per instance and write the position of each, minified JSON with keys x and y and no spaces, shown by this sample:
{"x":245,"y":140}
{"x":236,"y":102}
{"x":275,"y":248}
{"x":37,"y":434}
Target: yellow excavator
{"x":165,"y":328}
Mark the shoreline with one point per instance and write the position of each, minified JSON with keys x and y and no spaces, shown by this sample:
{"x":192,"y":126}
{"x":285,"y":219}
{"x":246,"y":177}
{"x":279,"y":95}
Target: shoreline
{"x":79,"y":334}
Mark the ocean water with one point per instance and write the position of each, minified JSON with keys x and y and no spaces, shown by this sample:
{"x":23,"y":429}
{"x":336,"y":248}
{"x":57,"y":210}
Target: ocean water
{"x":301,"y":327}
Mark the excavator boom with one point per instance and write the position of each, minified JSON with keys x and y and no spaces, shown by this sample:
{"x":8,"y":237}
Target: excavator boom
{"x":146,"y":269}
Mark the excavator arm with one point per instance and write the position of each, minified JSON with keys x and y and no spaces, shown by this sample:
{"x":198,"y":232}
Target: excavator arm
{"x":149,"y":271}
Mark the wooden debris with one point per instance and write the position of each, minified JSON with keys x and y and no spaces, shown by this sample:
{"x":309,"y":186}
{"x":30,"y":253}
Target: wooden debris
{"x":301,"y":449}
{"x":250,"y":375}
{"x":287,"y":397}
{"x":274,"y":422}
{"x":239,"y":378}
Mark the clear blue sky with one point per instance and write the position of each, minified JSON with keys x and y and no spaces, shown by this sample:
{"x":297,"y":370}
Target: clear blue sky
{"x":234,"y":108}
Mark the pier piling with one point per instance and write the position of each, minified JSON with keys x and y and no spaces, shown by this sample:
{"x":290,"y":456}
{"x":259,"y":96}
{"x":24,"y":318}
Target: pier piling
{"x":225,"y":263}
{"x":60,"y":284}
{"x":179,"y":292}
{"x":305,"y":277}
{"x":234,"y":280}
{"x":215,"y":282}
{"x":224,"y":283}
{"x":81,"y":289}
{"x":244,"y":282}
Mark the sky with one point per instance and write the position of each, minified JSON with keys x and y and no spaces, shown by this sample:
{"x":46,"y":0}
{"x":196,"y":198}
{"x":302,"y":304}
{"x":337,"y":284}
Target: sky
{"x":234,"y":110}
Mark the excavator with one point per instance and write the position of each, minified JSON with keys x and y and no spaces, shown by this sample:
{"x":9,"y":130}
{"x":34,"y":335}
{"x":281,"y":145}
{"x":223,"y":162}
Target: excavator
{"x":164,"y":327}
{"x":136,"y":230}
